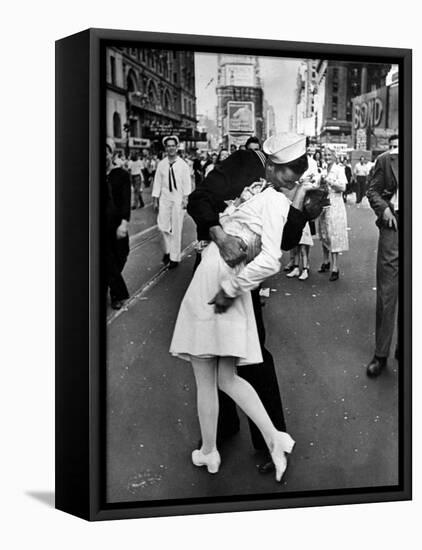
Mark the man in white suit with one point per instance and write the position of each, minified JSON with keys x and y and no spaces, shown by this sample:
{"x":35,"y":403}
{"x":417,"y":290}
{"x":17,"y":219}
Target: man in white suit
{"x":170,"y":191}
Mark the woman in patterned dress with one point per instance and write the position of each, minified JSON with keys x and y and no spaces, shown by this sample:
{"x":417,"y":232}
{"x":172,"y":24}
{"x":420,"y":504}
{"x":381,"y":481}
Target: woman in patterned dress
{"x":333,"y":219}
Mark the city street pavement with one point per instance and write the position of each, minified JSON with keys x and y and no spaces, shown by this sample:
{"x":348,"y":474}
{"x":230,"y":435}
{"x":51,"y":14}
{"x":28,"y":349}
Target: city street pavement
{"x":321,"y":334}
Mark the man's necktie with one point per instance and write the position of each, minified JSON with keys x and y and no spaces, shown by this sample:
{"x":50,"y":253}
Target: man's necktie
{"x":172,"y":179}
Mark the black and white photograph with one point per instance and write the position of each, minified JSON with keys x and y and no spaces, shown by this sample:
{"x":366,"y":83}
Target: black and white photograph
{"x":209,"y":326}
{"x":251,"y":224}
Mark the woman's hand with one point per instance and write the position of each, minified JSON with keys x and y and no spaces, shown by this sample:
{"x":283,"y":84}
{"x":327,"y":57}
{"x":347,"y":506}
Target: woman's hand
{"x":155,"y":204}
{"x":299,"y":193}
{"x":221,"y":302}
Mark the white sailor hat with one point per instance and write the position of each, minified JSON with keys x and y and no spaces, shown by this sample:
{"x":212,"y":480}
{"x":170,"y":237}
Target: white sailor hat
{"x":285,"y":147}
{"x":166,"y":138}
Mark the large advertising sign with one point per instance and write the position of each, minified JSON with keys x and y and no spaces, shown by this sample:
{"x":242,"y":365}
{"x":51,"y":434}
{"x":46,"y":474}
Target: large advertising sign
{"x":239,"y":75}
{"x":369,"y":110}
{"x":375,"y":118}
{"x":241,"y":116}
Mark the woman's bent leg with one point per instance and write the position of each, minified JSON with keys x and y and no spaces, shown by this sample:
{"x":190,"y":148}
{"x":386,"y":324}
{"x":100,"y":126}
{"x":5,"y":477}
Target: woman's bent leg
{"x":245,"y":397}
{"x":205,"y":371}
{"x":304,"y":251}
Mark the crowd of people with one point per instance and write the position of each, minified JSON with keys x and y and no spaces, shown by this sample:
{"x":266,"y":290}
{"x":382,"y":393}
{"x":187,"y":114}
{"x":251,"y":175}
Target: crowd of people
{"x":249,"y":204}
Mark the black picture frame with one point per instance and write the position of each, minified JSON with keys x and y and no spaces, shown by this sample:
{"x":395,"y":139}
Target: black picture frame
{"x":79,"y":311}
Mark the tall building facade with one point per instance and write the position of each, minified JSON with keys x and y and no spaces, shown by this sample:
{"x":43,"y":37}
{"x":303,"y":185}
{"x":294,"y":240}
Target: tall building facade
{"x":208,"y":127}
{"x":306,"y":99}
{"x":240,"y":109}
{"x":325,"y":98}
{"x":337,"y":83}
{"x":150,"y":93}
{"x":269,"y":120}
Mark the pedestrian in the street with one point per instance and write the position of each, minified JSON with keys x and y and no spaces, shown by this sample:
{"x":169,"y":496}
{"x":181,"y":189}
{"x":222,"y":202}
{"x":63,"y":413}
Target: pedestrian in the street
{"x":222,"y":155}
{"x":170,"y":191}
{"x":383,"y":196}
{"x":349,"y":176}
{"x":198,"y":170}
{"x":253,"y":143}
{"x":212,"y":164}
{"x":118,"y":216}
{"x":360,"y":173}
{"x":136,"y":167}
{"x":151,"y":166}
{"x":318,"y":159}
{"x":238,"y":171}
{"x":298,"y":265}
{"x":119,"y":160}
{"x":220,"y":334}
{"x":233,"y":148}
{"x":333,"y":219}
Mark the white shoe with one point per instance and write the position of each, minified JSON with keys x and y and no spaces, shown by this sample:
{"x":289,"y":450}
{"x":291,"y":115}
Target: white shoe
{"x":305,"y":274}
{"x":293,"y":273}
{"x":211,"y":460}
{"x":282,"y":444}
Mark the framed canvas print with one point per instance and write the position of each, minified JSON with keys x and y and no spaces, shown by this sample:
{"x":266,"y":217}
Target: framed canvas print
{"x":233,"y":274}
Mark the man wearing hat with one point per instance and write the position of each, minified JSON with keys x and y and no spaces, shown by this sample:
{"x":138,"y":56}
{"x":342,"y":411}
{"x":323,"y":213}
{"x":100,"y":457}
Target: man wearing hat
{"x":170,"y":191}
{"x":284,"y":162}
{"x":117,"y":216}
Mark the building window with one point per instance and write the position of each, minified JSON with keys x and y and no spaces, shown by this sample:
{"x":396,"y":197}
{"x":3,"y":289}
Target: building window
{"x":131,"y":83}
{"x":152,"y":93}
{"x":335,"y":87}
{"x":334,"y":108}
{"x":349,"y":111}
{"x":167,"y":101}
{"x":113,"y":69}
{"x":335,"y":75}
{"x":143,"y":55}
{"x":117,"y":126}
{"x":175,"y":78}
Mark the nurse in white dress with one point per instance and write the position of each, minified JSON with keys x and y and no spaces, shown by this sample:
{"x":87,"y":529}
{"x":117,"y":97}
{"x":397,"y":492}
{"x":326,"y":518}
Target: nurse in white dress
{"x":216,"y":336}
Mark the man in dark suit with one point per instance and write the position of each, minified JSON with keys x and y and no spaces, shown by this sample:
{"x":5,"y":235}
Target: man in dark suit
{"x":383,"y":195}
{"x":117,"y":218}
{"x":286,"y":159}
